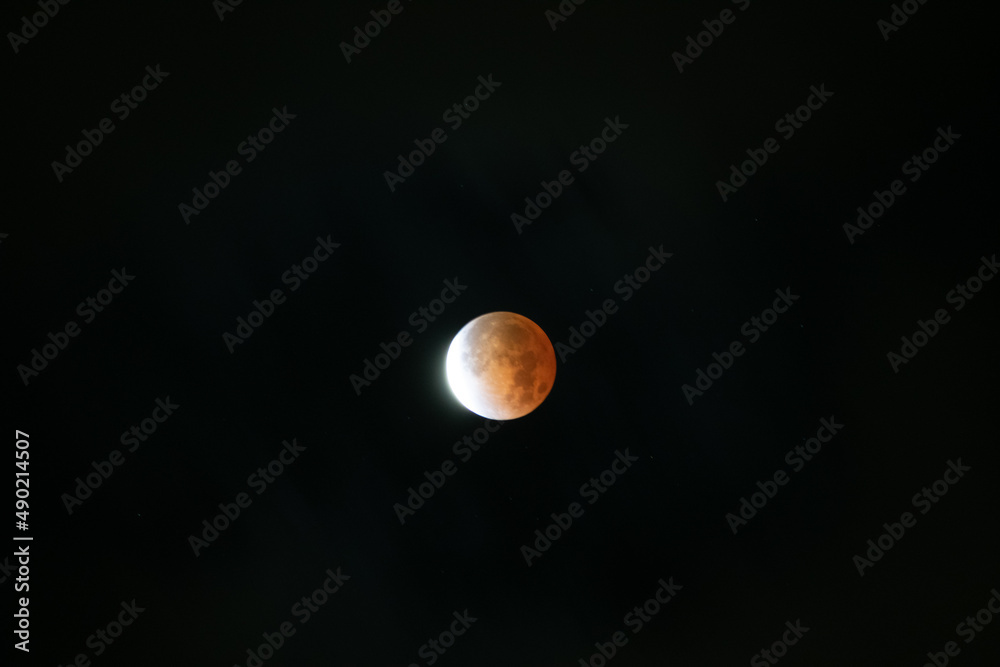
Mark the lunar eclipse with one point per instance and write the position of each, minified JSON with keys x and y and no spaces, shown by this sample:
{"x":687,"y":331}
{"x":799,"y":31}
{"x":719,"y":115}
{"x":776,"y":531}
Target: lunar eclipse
{"x":501,"y":365}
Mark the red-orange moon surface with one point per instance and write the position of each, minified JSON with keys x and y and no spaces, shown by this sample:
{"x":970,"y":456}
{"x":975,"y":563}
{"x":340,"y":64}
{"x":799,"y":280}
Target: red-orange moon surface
{"x":501,"y":365}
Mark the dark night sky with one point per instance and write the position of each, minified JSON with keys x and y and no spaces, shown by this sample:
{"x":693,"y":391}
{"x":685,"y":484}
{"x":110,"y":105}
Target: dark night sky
{"x":655,"y":186}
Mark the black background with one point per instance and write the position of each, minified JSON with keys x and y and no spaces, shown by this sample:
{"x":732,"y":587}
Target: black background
{"x":656,"y":185}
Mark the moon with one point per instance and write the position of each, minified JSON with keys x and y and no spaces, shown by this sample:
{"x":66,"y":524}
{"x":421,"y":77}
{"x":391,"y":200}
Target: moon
{"x":501,"y":365}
